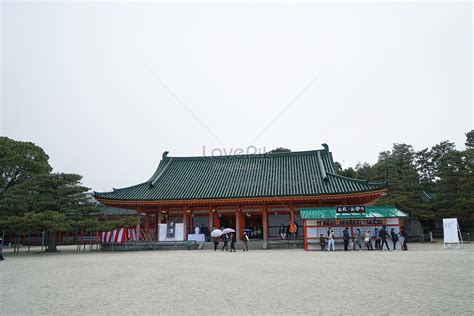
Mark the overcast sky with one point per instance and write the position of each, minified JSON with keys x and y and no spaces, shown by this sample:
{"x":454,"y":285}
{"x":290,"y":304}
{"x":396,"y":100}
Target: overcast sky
{"x":106,"y":88}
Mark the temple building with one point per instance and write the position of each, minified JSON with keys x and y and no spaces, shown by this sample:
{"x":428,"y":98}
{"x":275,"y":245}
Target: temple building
{"x":252,"y":193}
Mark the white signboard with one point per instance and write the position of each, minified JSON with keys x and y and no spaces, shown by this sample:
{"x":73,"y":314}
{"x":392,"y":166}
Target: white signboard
{"x":178,"y":233}
{"x":197,"y":237}
{"x":450,"y":230}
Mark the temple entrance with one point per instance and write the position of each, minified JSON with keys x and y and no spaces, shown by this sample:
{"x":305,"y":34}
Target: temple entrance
{"x":253,"y":225}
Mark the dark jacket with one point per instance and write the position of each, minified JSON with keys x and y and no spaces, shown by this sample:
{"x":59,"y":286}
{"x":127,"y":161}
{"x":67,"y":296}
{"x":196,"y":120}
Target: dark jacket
{"x":345,"y":234}
{"x":394,"y":236}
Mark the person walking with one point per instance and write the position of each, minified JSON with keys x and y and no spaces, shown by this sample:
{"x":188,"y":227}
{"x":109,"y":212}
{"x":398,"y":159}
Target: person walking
{"x":331,"y":237}
{"x":359,"y":238}
{"x":404,"y":235}
{"x":377,"y":239}
{"x":346,"y":237}
{"x":226,"y":243}
{"x":322,"y":242}
{"x":245,"y":240}
{"x":281,"y":231}
{"x":232,"y":242}
{"x":383,"y":237}
{"x":216,"y":242}
{"x":394,"y":237}
{"x":368,"y":240}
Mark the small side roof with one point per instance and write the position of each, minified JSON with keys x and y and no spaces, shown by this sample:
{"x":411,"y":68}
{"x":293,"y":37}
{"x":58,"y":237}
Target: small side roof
{"x":385,"y":211}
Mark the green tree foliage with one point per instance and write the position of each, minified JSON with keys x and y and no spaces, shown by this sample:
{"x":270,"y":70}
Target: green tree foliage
{"x":33,"y":199}
{"x":18,"y":161}
{"x":57,"y":197}
{"x":397,"y":167}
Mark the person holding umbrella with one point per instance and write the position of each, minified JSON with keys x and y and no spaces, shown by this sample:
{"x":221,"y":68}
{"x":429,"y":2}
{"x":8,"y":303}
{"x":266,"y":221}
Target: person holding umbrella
{"x":225,"y":238}
{"x":216,"y":242}
{"x":216,"y":234}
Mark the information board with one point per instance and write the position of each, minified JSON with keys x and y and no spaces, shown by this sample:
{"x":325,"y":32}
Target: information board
{"x":450,"y":230}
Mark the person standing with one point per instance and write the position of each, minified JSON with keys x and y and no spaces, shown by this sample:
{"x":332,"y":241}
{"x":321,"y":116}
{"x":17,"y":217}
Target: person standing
{"x":377,"y":239}
{"x":331,"y":237}
{"x":232,"y":242}
{"x":226,"y":243}
{"x":346,"y":237}
{"x":1,"y":249}
{"x":293,"y":229}
{"x":216,"y":242}
{"x":368,"y":241}
{"x":281,"y":231}
{"x":322,"y":242}
{"x":404,"y":235}
{"x":383,"y":237}
{"x":245,"y":239}
{"x":394,"y":237}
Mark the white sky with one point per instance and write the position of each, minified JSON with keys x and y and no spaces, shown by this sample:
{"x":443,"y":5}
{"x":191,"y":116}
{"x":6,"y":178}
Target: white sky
{"x":87,"y":81}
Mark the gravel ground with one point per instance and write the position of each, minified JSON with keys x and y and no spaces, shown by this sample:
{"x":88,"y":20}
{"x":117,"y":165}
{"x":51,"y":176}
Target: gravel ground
{"x":424,"y":280}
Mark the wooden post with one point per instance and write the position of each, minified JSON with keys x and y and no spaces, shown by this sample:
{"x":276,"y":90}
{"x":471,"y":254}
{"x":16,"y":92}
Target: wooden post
{"x":265,"y":222}
{"x":185,"y":220}
{"x":139,"y":214}
{"x":147,"y":221}
{"x":292,"y":213}
{"x":237,"y":223}
{"x":211,"y":219}
{"x":305,"y":240}
{"x":191,"y":222}
{"x":158,"y":222}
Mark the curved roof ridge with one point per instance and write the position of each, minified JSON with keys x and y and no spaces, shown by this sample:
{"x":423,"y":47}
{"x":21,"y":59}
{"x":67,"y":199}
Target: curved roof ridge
{"x":239,"y":156}
{"x":158,"y":176}
{"x":357,"y":180}
{"x":121,"y":189}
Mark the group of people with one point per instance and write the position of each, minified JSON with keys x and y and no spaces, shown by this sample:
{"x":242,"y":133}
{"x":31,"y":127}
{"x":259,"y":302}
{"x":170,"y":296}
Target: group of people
{"x":232,"y":239}
{"x":203,"y":230}
{"x":359,"y":238}
{"x":288,"y":232}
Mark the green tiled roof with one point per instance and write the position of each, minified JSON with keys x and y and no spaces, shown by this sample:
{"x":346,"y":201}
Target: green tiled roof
{"x":305,"y":173}
{"x":370,"y":212}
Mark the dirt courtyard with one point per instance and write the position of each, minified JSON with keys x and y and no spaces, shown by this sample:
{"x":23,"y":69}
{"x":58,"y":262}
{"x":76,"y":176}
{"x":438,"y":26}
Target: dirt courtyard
{"x":424,"y":280}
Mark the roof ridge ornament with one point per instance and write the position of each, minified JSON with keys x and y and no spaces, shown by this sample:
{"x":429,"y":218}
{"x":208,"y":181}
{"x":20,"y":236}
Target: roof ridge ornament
{"x":165,"y":154}
{"x":326,"y":147}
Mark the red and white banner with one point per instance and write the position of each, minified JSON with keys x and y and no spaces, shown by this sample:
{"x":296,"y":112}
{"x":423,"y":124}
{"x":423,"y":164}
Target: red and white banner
{"x":122,"y":235}
{"x":116,"y":236}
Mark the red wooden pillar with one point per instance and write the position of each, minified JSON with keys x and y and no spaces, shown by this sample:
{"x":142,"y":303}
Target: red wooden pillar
{"x":237,"y":223}
{"x":137,"y":229}
{"x":191,"y":222}
{"x":147,"y":220}
{"x":304,"y":236}
{"x":292,"y":214}
{"x":265,"y":222}
{"x":185,"y":222}
{"x":211,"y":219}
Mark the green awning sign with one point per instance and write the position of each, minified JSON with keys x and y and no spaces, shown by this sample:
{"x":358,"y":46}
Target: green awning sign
{"x":371,"y":212}
{"x":350,"y":209}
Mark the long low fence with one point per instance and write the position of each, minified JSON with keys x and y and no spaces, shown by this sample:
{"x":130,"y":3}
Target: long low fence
{"x":114,"y":236}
